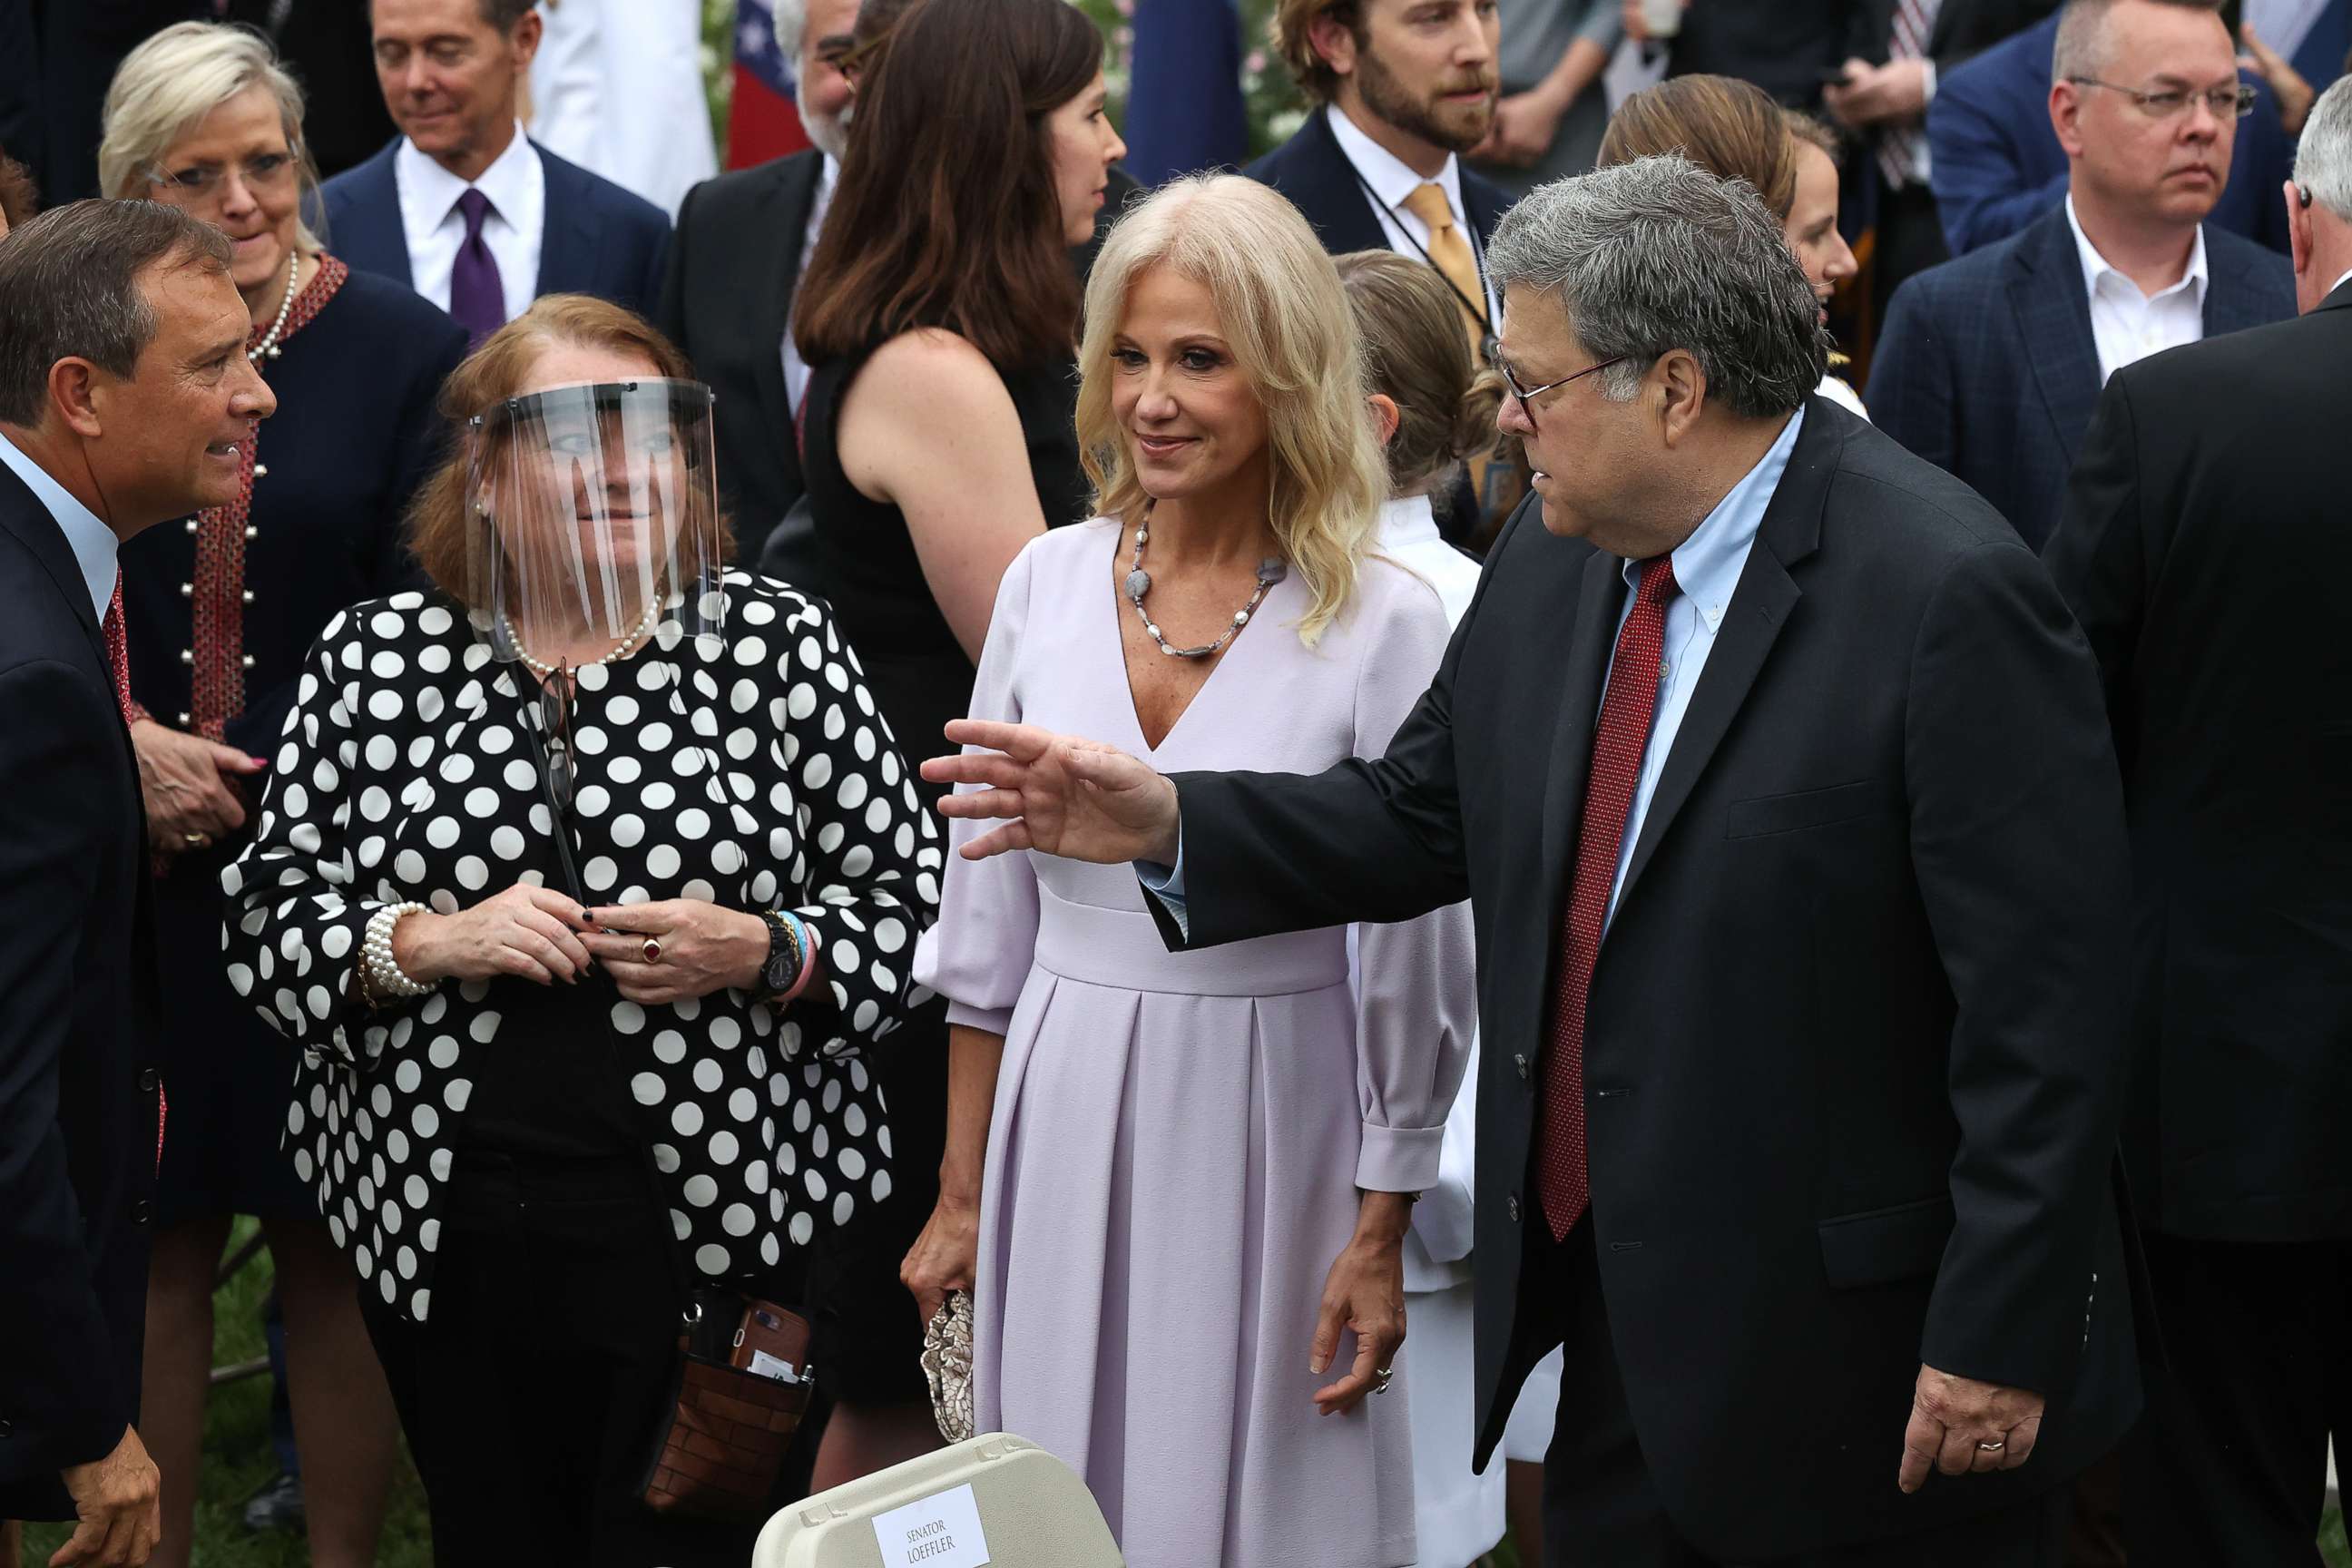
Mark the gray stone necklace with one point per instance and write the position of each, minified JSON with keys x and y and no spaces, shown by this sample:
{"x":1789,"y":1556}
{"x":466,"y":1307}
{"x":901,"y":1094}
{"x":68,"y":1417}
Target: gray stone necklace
{"x":1270,"y":571}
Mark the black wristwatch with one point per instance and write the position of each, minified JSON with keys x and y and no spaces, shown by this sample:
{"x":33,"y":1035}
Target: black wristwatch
{"x":783,"y":954}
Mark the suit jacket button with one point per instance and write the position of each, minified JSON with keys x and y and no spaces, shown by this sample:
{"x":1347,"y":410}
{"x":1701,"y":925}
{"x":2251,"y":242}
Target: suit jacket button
{"x":148,"y":1079}
{"x":1511,"y":1207}
{"x":1520,"y":1062}
{"x":141,"y":1212}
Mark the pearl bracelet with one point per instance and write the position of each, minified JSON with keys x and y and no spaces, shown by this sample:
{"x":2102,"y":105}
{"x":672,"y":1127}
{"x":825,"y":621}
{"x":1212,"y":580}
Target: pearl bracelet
{"x":380,"y":972}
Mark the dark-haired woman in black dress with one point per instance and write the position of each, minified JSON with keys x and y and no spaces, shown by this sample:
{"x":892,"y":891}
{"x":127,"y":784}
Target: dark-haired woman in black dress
{"x":940,"y":314}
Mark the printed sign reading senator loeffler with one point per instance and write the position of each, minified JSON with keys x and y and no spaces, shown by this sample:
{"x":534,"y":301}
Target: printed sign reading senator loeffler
{"x":941,"y":1530}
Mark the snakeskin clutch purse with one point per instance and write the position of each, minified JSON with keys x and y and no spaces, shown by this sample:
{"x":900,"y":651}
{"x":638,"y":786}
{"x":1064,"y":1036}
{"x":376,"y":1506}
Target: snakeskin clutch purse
{"x":946,"y":1365}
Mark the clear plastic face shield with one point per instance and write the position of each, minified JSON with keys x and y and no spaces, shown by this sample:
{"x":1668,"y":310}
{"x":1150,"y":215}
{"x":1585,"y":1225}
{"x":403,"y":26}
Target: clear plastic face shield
{"x":595,"y":525}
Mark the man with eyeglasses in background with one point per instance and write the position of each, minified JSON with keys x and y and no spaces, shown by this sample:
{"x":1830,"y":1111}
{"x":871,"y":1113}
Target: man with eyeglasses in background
{"x":1997,"y":164}
{"x":1988,"y":366}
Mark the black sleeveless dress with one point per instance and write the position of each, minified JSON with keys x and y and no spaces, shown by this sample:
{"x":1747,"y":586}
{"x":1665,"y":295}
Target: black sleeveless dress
{"x":868,"y":1336}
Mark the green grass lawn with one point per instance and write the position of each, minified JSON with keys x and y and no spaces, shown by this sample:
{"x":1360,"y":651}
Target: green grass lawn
{"x":237,"y":1456}
{"x":237,"y":1459}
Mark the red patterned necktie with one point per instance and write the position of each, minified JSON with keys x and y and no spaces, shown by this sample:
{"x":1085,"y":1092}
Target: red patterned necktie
{"x":118,"y":651}
{"x":1618,"y":743}
{"x":1903,"y":149}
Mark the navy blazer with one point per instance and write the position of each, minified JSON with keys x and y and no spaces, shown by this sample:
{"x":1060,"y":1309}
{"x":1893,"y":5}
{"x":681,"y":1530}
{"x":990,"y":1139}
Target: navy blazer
{"x":1999,"y":165}
{"x":1315,"y":174}
{"x":77,"y":1032}
{"x":1988,"y":368}
{"x":598,"y":240}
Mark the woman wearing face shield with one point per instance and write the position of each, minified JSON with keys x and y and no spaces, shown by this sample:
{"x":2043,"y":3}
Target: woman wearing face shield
{"x":583,"y":878}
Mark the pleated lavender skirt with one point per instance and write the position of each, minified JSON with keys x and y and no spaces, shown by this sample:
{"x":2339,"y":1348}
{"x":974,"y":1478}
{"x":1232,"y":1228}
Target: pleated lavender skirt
{"x":1170,"y":1174}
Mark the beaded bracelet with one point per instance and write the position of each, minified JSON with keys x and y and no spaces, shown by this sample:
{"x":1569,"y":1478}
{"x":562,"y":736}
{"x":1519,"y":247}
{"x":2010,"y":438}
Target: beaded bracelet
{"x":804,"y":938}
{"x":381,"y":976}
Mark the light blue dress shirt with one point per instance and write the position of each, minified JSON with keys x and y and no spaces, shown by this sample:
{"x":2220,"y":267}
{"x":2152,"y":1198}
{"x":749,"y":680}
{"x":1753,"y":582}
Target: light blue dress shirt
{"x":93,"y":543}
{"x":1706,"y":570}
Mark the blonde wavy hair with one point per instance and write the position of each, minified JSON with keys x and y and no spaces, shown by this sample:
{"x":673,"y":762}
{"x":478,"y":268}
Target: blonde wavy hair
{"x":169,"y":83}
{"x":1285,"y":316}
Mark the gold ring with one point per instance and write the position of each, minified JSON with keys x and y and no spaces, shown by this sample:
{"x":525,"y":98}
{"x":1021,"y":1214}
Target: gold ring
{"x":195,"y":840}
{"x":651,"y":950}
{"x":1992,"y":1447}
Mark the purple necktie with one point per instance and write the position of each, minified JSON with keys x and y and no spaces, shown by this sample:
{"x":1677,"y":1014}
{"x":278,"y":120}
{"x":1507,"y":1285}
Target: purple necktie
{"x":477,"y":297}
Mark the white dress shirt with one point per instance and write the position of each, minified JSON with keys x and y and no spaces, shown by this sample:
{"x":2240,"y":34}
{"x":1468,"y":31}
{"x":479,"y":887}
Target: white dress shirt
{"x":2337,"y":284}
{"x":516,"y":183}
{"x":2128,"y":325}
{"x":796,"y":370}
{"x":616,"y":87}
{"x":1391,"y":180}
{"x":93,"y":543}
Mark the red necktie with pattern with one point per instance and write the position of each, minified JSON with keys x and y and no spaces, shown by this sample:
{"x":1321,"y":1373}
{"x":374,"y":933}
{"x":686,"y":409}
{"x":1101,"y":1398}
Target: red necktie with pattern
{"x":1624,"y":732}
{"x":1903,"y":149}
{"x":118,"y":651}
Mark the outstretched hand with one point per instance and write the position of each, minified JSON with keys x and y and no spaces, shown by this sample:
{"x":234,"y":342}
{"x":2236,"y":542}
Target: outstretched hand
{"x":1056,"y":794}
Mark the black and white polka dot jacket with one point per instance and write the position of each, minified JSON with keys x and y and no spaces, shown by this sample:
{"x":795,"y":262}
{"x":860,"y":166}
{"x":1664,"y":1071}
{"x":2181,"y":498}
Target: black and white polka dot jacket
{"x":760,"y":778}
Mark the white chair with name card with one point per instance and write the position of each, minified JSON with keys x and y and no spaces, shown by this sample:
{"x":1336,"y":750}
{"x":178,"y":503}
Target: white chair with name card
{"x":996,"y":1499}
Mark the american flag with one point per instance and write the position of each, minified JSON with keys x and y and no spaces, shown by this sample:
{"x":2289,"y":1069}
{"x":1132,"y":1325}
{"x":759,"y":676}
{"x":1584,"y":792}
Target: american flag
{"x":764,"y":121}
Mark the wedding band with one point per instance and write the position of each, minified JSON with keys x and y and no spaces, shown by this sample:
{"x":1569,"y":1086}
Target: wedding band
{"x":1381,"y":1376}
{"x":195,"y":840}
{"x":652,"y":951}
{"x":1992,"y":1447}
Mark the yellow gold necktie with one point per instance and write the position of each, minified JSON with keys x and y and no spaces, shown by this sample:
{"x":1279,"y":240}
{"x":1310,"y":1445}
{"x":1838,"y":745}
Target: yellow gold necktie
{"x":1450,"y":253}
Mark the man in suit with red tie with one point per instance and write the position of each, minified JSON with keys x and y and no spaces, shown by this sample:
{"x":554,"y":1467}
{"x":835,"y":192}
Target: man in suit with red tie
{"x":1779,"y":781}
{"x":124,"y":393}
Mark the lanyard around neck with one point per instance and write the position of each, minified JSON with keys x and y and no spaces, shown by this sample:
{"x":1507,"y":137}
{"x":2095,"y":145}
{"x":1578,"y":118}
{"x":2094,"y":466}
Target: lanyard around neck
{"x":1478,"y":307}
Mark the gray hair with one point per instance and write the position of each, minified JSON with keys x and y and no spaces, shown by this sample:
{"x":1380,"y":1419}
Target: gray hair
{"x":167,"y":85}
{"x":2323,"y":161}
{"x":792,"y":26}
{"x":72,"y":277}
{"x":1657,"y":254}
{"x":2085,"y":46}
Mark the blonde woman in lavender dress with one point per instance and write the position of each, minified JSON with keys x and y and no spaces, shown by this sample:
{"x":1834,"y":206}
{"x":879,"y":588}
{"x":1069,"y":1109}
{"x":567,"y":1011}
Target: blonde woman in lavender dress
{"x":1179,"y":1184}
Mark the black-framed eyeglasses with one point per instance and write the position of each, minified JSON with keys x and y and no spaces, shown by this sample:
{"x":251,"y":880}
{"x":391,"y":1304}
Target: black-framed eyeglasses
{"x":2225,"y":102}
{"x":1526,"y":394}
{"x":555,"y":736}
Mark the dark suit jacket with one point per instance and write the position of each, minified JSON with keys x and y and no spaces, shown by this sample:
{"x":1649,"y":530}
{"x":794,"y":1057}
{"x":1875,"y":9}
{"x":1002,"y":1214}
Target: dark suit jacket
{"x":726,"y":296}
{"x":1999,"y":166}
{"x":598,"y":238}
{"x":1986,"y":366}
{"x":1966,"y":28}
{"x":1315,"y":174}
{"x":2210,"y":487}
{"x":78,"y":1079}
{"x":1783,"y":46}
{"x":1854,"y":1055}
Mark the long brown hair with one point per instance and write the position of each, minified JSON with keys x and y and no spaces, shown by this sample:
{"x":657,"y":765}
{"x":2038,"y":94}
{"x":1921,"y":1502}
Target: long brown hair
{"x":947,"y":214}
{"x":500,"y":369}
{"x":1410,"y":328}
{"x":1732,"y":130}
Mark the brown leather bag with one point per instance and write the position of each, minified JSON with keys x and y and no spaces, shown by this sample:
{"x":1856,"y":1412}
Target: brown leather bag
{"x":721,"y":1448}
{"x":720,"y":1451}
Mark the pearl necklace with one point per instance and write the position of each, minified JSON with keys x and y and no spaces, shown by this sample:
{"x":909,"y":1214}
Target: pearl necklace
{"x":268,"y":344}
{"x":1270,"y":571}
{"x":627,"y":645}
